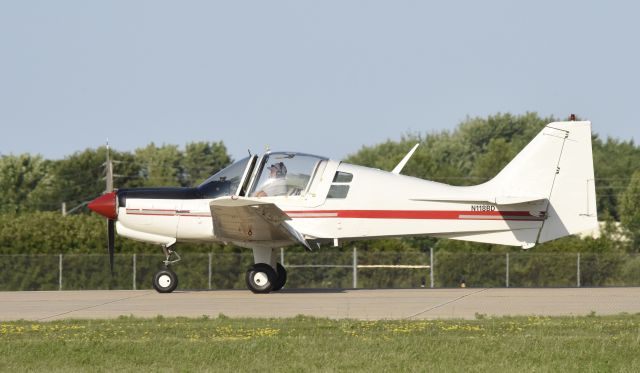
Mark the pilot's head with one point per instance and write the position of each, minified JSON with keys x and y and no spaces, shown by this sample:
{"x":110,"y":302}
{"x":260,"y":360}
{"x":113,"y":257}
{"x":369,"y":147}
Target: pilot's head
{"x":278,"y":170}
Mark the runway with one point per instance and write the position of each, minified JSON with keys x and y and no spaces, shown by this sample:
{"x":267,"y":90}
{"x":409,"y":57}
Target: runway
{"x":335,"y":304}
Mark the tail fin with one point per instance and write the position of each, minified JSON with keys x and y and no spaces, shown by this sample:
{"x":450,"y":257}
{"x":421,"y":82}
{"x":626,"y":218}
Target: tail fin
{"x":557,"y":165}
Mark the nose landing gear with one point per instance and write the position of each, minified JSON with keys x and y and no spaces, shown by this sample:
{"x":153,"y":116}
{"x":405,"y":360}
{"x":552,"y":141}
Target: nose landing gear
{"x":166,"y":280}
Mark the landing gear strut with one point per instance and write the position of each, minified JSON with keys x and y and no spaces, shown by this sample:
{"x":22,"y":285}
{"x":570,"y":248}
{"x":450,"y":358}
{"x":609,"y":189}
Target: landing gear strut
{"x":166,"y":280}
{"x":171,"y":256}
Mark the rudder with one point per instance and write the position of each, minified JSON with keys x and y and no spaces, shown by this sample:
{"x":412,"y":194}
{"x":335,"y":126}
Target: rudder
{"x":572,"y":201}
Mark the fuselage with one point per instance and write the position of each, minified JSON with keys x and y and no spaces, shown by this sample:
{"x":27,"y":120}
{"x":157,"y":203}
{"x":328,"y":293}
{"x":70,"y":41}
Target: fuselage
{"x":339,"y":201}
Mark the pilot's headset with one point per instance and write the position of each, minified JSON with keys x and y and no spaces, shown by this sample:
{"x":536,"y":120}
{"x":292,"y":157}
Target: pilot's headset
{"x":280,"y":168}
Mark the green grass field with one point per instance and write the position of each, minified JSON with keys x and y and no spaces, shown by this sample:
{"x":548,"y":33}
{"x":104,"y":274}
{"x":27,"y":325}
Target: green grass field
{"x":595,"y":343}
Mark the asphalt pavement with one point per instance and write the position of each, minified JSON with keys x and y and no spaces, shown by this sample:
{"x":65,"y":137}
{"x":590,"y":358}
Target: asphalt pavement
{"x":336,"y":304}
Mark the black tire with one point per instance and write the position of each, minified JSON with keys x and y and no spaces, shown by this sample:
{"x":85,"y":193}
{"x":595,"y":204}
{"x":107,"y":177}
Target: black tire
{"x":165,"y":281}
{"x":261,"y":278}
{"x":282,"y":278}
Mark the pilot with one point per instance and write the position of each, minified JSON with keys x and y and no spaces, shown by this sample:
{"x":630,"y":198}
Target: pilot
{"x":276,"y":185}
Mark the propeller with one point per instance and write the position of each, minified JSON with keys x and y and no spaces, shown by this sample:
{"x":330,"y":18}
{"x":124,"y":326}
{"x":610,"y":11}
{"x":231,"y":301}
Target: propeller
{"x":111,"y":241}
{"x":106,"y":205}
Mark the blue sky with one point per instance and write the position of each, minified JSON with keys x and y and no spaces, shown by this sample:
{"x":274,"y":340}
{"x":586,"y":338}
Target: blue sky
{"x":323,"y":77}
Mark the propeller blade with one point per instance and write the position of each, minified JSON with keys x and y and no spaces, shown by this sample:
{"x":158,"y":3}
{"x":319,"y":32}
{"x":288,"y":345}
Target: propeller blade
{"x":111,"y":245}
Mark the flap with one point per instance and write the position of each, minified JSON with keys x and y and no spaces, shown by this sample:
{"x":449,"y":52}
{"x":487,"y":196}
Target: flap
{"x":248,"y":220}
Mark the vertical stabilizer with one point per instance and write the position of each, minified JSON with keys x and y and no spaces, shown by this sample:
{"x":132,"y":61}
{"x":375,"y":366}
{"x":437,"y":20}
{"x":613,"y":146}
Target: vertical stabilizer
{"x":556,"y":165}
{"x":572,"y":201}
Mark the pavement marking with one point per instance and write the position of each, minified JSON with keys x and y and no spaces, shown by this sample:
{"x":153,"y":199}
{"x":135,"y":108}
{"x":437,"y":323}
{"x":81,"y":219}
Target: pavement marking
{"x":446,"y":303}
{"x":93,"y":306}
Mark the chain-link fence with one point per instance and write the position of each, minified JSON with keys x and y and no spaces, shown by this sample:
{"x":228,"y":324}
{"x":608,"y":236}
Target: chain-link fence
{"x":327,"y":269}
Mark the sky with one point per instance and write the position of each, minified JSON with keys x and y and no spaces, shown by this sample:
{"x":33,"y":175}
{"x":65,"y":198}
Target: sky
{"x":322,"y":77}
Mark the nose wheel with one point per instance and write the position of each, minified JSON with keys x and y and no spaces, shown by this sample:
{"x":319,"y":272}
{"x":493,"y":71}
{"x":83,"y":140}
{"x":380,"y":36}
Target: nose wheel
{"x":261,"y":278}
{"x":165,"y":281}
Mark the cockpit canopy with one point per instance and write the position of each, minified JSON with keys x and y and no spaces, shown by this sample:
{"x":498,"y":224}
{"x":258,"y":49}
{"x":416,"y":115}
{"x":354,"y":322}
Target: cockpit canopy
{"x":284,"y":174}
{"x":226,"y":182}
{"x":276,"y":174}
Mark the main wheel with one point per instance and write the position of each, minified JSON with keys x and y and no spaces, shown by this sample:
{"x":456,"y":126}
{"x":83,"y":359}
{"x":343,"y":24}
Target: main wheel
{"x":261,"y":278}
{"x":165,"y":281}
{"x":282,"y":278}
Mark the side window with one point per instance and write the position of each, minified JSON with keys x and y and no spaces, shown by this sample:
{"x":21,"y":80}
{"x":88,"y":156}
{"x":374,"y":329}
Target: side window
{"x":342,"y":177}
{"x":338,"y":191}
{"x":340,"y":187}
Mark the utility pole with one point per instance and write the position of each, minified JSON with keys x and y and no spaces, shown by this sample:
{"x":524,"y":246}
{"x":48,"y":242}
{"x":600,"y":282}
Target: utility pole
{"x":108,"y":167}
{"x":109,"y":171}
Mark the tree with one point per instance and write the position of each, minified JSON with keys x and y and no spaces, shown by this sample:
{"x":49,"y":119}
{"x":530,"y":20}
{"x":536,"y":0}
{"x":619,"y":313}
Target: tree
{"x":202,"y":159}
{"x":497,"y":154}
{"x":474,"y":152}
{"x":19,"y":176}
{"x":630,"y":210}
{"x":80,"y":177}
{"x":160,"y":165}
{"x":614,"y":161}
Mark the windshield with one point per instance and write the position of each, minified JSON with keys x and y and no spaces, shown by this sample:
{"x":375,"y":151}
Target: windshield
{"x":284,"y":174}
{"x":224,"y":182}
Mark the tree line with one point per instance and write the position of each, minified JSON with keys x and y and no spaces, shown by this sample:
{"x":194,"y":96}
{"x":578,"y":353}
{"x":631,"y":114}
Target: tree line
{"x":33,"y":188}
{"x":31,"y":183}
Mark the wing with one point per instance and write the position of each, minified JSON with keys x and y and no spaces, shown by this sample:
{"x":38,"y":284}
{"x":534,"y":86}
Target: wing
{"x":250,"y":221}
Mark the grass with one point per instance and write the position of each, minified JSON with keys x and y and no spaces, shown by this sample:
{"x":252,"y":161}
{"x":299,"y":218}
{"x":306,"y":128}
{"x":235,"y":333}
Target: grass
{"x":590,"y":343}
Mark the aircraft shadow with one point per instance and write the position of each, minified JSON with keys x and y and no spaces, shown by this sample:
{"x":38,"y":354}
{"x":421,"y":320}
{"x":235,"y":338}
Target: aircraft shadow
{"x":312,"y":291}
{"x":283,"y":291}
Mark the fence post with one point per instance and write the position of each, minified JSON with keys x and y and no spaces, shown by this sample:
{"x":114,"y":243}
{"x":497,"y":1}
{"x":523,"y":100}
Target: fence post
{"x":507,"y":277}
{"x":210,"y":260}
{"x":60,"y":272}
{"x":134,"y":271}
{"x":431,"y":263}
{"x":578,"y":270}
{"x":355,"y":267}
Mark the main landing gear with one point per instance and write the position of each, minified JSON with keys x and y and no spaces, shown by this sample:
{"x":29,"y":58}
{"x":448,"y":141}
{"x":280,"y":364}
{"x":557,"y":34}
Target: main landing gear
{"x":166,"y":280}
{"x":262,"y":277}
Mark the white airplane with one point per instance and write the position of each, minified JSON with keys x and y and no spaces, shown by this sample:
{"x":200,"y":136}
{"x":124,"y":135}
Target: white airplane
{"x":282,"y":198}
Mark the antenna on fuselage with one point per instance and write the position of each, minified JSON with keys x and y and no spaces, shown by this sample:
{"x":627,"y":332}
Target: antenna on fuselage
{"x":404,"y":160}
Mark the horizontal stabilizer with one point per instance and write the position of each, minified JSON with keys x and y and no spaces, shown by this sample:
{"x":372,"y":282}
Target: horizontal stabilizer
{"x":500,"y":200}
{"x":524,"y":238}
